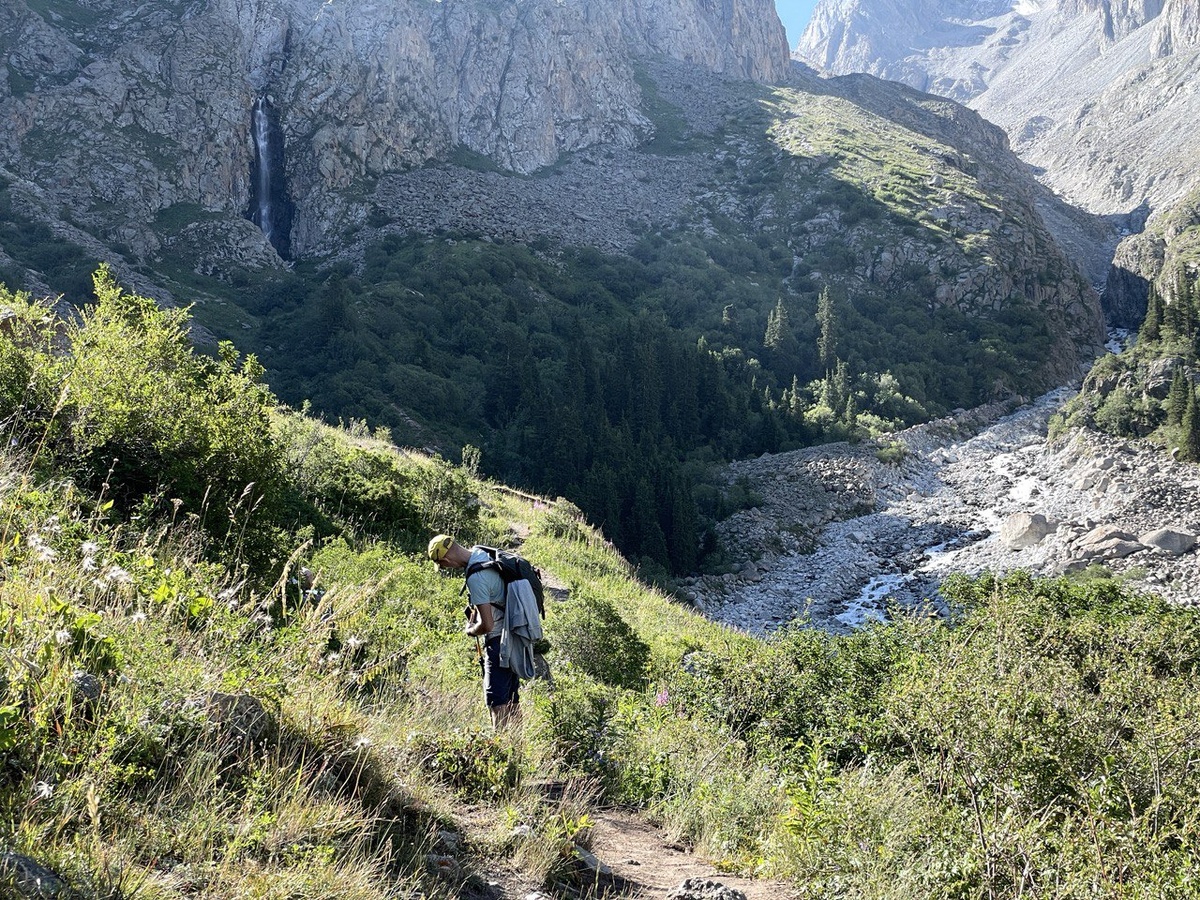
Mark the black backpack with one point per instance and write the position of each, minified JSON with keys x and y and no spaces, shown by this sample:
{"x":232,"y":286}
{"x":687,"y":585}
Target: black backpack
{"x":510,"y":568}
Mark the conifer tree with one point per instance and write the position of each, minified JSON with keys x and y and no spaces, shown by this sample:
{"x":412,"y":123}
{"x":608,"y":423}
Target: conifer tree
{"x":1177,"y":398}
{"x":1152,"y":325}
{"x":777,"y":326}
{"x":827,"y":338}
{"x":1191,"y":429}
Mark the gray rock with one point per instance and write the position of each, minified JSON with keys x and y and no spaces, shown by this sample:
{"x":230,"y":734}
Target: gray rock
{"x":239,"y":717}
{"x":591,"y":862}
{"x":85,"y":687}
{"x":1107,"y":542}
{"x":29,"y":878}
{"x":1021,"y":530}
{"x":1169,"y":540}
{"x":704,"y":889}
{"x":444,"y":866}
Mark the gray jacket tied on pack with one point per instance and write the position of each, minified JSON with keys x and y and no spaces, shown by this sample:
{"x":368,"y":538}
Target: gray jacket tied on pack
{"x":522,"y":627}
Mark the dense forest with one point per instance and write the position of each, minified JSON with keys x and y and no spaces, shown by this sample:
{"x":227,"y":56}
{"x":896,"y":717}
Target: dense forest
{"x":615,"y":380}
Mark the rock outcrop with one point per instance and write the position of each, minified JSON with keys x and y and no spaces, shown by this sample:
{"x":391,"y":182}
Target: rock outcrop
{"x":149,"y":109}
{"x":1099,"y":95}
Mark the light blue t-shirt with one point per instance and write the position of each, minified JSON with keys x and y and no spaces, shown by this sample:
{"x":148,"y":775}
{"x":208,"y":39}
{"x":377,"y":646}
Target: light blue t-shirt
{"x":487,"y":587}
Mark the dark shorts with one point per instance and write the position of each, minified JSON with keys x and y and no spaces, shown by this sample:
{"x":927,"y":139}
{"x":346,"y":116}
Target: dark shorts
{"x":500,"y":685}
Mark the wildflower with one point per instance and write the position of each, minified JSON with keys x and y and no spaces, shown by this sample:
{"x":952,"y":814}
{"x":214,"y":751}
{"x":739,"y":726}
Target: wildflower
{"x":62,"y":637}
{"x":43,"y":790}
{"x":662,"y":698}
{"x":362,"y":742}
{"x":138,"y":617}
{"x":89,"y":548}
{"x":354,"y":642}
{"x":117,"y":575}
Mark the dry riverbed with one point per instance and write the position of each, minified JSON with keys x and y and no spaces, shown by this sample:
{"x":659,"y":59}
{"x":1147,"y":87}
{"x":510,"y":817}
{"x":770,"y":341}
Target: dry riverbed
{"x":843,"y":536}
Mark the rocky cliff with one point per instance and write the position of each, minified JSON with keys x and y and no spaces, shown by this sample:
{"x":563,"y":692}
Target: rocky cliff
{"x":125,"y":114}
{"x":196,"y":142}
{"x":1099,"y":95}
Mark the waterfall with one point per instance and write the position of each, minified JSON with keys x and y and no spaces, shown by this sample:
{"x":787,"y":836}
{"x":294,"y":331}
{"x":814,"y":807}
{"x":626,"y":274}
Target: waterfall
{"x":270,"y":208}
{"x":262,"y":157}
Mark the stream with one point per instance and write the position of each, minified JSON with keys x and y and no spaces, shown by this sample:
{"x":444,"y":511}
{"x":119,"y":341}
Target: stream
{"x":941,"y":510}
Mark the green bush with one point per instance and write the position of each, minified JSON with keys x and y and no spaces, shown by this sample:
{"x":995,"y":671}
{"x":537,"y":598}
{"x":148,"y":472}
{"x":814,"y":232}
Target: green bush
{"x":133,"y":410}
{"x":589,"y":634}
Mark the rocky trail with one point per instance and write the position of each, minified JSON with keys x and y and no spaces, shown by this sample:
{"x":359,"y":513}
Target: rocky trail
{"x":842,"y":535}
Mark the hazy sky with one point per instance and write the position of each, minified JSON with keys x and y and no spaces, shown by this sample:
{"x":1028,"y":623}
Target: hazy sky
{"x":795,"y":15}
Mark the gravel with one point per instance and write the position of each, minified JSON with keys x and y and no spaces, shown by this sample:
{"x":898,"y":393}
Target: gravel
{"x":940,"y":511}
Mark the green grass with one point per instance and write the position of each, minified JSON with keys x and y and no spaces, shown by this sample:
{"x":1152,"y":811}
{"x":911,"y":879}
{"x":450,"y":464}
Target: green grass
{"x":1042,"y":741}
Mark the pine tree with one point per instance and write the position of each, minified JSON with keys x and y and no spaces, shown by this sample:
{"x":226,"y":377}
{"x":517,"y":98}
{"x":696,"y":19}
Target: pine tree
{"x":1177,"y":398}
{"x":1152,"y":325}
{"x":827,"y":339}
{"x":795,"y":400}
{"x":777,"y":326}
{"x":1191,"y":429}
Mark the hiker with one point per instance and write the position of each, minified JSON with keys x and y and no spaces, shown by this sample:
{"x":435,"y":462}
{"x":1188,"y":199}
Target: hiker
{"x":485,"y":622}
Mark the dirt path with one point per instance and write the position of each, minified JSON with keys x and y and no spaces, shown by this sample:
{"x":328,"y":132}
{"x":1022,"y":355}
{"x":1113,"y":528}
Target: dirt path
{"x":646,"y":864}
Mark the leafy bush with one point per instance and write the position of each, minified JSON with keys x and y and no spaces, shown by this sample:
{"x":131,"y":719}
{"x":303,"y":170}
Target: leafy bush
{"x":475,"y":765}
{"x":132,"y":409}
{"x":590,"y":635}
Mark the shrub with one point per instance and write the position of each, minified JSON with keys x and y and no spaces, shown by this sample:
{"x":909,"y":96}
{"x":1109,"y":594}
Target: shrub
{"x":590,"y":635}
{"x":132,"y":409}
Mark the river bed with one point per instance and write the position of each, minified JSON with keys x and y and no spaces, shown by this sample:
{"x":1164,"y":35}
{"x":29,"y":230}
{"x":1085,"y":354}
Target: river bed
{"x":940,"y":511}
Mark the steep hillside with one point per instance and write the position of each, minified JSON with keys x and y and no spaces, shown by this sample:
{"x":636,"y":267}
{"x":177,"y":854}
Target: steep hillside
{"x":504,"y":223}
{"x":1097,"y":95}
{"x":227,"y":670}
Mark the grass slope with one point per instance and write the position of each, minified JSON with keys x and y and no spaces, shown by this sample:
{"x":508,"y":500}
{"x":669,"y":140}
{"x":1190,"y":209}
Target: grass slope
{"x":261,"y":690}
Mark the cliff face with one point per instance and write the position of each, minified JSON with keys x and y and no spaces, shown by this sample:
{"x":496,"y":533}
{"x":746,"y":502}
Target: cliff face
{"x":152,"y":108}
{"x":1099,"y":95}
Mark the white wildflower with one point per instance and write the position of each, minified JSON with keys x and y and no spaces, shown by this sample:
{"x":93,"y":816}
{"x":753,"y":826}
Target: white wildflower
{"x":138,"y":617}
{"x":117,"y":575}
{"x":62,"y":636}
{"x":89,"y":548}
{"x":43,"y":791}
{"x":354,"y":642}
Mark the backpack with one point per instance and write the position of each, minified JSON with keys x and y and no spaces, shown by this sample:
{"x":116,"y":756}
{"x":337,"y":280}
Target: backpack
{"x":510,"y":568}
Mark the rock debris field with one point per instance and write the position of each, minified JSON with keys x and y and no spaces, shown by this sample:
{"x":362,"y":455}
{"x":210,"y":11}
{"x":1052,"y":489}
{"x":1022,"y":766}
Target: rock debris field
{"x":843,"y":536}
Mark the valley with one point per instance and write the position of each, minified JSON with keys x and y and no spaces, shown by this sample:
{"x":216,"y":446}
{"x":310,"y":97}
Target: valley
{"x":894,"y":528}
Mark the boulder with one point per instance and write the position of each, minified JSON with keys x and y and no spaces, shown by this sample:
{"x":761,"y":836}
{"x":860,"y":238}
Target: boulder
{"x":86,"y":687}
{"x":1107,"y":542}
{"x":1159,"y":374}
{"x":704,"y":889}
{"x":1021,"y":530}
{"x":28,"y":878}
{"x":238,"y":718}
{"x":1169,"y":540}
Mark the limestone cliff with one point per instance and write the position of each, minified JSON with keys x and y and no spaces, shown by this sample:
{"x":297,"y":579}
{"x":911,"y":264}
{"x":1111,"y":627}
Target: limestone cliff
{"x":149,"y":109}
{"x":1099,"y":95}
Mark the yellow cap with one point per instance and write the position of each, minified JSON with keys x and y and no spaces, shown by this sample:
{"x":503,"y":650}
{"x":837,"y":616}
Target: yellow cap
{"x":440,"y":546}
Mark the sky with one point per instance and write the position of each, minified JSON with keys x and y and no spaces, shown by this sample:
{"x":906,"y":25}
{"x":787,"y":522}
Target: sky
{"x":795,"y":15}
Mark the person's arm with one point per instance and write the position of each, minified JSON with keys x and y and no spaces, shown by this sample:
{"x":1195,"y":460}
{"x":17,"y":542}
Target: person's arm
{"x":481,"y":623}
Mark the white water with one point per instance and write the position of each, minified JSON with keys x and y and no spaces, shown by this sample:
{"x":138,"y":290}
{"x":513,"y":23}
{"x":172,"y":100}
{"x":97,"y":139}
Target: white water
{"x":260,"y":125}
